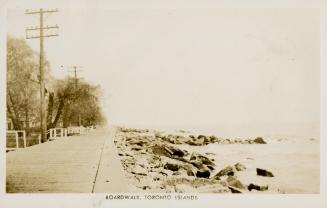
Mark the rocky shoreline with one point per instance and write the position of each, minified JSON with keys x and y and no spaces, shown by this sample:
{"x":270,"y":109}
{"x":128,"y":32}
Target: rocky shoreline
{"x":156,"y":162}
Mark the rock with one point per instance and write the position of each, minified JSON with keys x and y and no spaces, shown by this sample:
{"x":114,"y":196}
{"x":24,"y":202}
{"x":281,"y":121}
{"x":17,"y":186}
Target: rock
{"x":161,"y":151}
{"x":205,"y":160}
{"x":263,"y":172}
{"x":138,"y":170}
{"x":259,"y":140}
{"x":196,"y":163}
{"x":234,"y":182}
{"x":239,"y":167}
{"x":201,"y":137}
{"x":234,"y":190}
{"x":194,"y":143}
{"x":189,"y":172}
{"x":226,"y":171}
{"x":212,"y":188}
{"x":172,"y":167}
{"x":176,"y":152}
{"x":210,"y":167}
{"x":256,"y":187}
{"x":188,"y":169}
{"x":216,"y":177}
{"x":203,"y":173}
{"x":230,"y":173}
{"x":213,"y":139}
{"x":136,"y":148}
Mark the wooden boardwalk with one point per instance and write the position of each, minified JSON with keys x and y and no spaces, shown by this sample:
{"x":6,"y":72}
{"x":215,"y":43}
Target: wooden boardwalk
{"x":77,"y":164}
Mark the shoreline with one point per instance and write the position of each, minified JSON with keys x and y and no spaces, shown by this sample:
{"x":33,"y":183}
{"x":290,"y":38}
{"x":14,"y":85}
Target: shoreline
{"x":163,"y":162}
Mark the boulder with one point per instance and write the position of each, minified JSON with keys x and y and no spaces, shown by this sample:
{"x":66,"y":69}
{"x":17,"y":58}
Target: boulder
{"x":226,"y":171}
{"x":136,"y":148}
{"x":263,"y":172}
{"x":203,"y":173}
{"x":194,"y":143}
{"x":161,"y":150}
{"x":138,"y":170}
{"x":256,"y":187}
{"x":210,"y":167}
{"x":239,"y":167}
{"x":259,"y":140}
{"x":196,"y":163}
{"x":213,"y":139}
{"x":188,"y":169}
{"x":205,"y":160}
{"x":176,"y":152}
{"x":172,"y":167}
{"x":234,"y":182}
{"x":201,"y":137}
{"x":234,"y":190}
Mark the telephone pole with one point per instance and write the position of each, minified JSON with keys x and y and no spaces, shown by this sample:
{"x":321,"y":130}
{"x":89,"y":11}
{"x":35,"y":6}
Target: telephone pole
{"x":41,"y":36}
{"x":76,"y":81}
{"x":75,"y":73}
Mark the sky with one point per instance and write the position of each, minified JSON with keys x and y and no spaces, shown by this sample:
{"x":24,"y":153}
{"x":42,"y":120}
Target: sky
{"x":248,"y":71}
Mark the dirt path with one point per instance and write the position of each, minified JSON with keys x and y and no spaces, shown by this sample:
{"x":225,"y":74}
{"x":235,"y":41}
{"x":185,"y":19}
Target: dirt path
{"x":77,"y":164}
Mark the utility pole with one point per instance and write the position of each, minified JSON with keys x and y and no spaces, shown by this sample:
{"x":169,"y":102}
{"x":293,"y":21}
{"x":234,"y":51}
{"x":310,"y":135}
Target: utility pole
{"x":75,"y":73}
{"x":41,"y":36}
{"x":76,"y":81}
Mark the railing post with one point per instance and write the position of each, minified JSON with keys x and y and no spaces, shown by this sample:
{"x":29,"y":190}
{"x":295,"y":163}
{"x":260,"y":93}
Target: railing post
{"x":17,"y":144}
{"x":62,"y":132}
{"x":39,"y":138}
{"x":24,"y":137}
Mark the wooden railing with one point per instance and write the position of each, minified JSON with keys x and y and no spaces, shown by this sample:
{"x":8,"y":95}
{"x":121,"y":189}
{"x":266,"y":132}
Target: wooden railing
{"x":17,"y":133}
{"x":55,"y":133}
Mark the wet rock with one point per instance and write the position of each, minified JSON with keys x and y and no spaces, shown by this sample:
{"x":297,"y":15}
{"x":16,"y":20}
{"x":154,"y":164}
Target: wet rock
{"x":256,"y":187}
{"x":172,"y":167}
{"x":226,"y":171}
{"x":263,"y":172}
{"x":259,"y":140}
{"x":234,"y":182}
{"x":239,"y":166}
{"x":203,"y":173}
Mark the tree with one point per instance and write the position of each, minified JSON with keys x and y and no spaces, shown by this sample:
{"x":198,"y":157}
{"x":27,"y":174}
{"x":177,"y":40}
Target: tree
{"x":65,"y":100}
{"x":69,"y":101}
{"x":22,"y":91}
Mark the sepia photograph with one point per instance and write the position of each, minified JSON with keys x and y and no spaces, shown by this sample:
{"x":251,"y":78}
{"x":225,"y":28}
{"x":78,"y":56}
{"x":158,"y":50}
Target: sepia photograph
{"x":143,"y":101}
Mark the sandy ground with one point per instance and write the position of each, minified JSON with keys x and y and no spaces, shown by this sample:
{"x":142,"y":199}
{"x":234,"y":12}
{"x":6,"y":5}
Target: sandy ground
{"x":294,"y":163}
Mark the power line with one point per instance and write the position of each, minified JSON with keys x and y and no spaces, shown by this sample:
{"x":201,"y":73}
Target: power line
{"x":41,"y":36}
